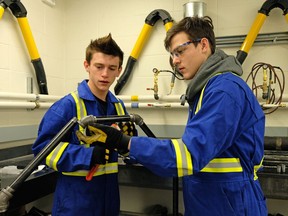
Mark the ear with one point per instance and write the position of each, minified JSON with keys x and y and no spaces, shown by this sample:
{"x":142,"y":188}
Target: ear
{"x":204,"y":43}
{"x":86,"y":65}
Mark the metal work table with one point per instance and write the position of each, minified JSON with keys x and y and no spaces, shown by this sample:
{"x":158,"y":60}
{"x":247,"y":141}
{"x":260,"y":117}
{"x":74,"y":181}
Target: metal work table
{"x":274,"y":185}
{"x":43,"y":183}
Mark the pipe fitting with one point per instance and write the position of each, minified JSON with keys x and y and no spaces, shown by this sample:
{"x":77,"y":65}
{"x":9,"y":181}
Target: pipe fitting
{"x":5,"y":195}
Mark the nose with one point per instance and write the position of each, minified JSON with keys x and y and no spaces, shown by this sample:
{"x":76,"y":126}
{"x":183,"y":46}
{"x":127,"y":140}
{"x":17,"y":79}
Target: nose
{"x":105,"y":72}
{"x":175,"y":60}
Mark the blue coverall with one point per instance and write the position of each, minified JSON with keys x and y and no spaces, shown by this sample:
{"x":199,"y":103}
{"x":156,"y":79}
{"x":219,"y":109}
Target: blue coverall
{"x":219,"y":152}
{"x":74,"y":195}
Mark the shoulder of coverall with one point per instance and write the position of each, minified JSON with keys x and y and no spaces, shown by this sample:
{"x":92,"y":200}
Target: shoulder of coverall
{"x":64,"y":107}
{"x":236,"y":88}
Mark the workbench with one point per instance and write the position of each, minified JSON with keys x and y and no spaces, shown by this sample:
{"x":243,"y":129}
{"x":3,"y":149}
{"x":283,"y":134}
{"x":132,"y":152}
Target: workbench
{"x":43,"y":183}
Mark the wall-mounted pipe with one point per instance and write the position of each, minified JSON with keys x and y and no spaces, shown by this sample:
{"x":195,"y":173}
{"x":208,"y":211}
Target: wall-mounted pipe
{"x":150,"y":21}
{"x":168,"y":98}
{"x":195,"y":8}
{"x":282,"y":105}
{"x":20,"y":12}
{"x":24,"y":105}
{"x":258,"y":22}
{"x":136,"y":105}
{"x":35,"y":101}
{"x":261,"y":39}
{"x":31,"y":97}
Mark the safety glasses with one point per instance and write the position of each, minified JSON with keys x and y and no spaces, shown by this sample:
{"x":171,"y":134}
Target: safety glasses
{"x":179,"y":50}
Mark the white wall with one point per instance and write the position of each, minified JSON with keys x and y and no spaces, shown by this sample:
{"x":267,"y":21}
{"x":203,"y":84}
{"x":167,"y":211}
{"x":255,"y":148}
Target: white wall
{"x":63,"y":32}
{"x":48,"y":28}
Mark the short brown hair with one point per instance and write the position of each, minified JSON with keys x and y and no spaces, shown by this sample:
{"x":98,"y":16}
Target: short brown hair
{"x":104,"y":45}
{"x":196,"y":28}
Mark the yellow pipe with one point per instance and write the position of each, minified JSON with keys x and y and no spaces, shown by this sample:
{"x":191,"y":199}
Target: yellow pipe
{"x":286,"y":17}
{"x":1,"y":11}
{"x":28,"y":37}
{"x":168,"y":25}
{"x":145,"y":33}
{"x":254,"y":30}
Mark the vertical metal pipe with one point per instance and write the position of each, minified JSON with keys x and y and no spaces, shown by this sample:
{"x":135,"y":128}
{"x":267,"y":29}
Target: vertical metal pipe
{"x":194,"y":8}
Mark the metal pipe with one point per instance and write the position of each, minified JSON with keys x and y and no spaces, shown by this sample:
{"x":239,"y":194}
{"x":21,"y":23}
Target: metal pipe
{"x":275,"y":143}
{"x":7,"y":193}
{"x":32,"y":97}
{"x":45,"y":101}
{"x":257,"y":24}
{"x":150,"y":97}
{"x":150,"y":21}
{"x":261,"y":39}
{"x":196,"y":8}
{"x":25,"y":105}
{"x":155,"y":105}
{"x":137,"y":119}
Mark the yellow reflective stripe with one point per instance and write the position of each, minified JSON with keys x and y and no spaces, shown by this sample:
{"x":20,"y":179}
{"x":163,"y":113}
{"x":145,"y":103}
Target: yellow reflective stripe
{"x":178,"y":158}
{"x":80,"y":106}
{"x":256,"y":168}
{"x":119,"y":109}
{"x":108,"y":168}
{"x":81,"y":111}
{"x":183,"y":158}
{"x":217,"y":165}
{"x":199,"y":104}
{"x":223,"y":165}
{"x":54,"y":156}
{"x":76,"y":99}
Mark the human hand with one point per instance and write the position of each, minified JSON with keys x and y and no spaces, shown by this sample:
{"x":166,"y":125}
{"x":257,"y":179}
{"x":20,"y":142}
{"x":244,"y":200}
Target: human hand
{"x":128,"y":128}
{"x":112,"y":137}
{"x":100,"y":155}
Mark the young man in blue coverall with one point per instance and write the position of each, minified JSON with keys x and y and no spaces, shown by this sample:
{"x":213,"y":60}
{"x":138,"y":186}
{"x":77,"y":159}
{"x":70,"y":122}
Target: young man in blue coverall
{"x":222,"y":146}
{"x":74,"y":195}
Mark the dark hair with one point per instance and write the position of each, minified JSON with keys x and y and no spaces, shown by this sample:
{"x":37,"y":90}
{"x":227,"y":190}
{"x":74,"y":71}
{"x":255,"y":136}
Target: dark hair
{"x":104,"y":45}
{"x":196,"y":28}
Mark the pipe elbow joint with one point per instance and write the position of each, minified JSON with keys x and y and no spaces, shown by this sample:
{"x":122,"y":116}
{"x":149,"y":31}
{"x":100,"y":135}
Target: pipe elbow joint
{"x":269,"y":5}
{"x":137,"y":119}
{"x":87,"y":120}
{"x":155,"y":15}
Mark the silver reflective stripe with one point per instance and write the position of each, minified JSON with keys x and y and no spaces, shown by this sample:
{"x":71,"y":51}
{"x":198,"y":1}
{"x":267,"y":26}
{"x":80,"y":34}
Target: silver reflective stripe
{"x":54,"y":156}
{"x":108,"y":168}
{"x":223,"y":165}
